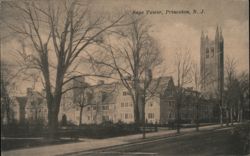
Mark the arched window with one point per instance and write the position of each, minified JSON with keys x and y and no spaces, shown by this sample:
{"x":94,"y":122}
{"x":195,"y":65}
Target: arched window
{"x":207,"y":53}
{"x":212,"y":52}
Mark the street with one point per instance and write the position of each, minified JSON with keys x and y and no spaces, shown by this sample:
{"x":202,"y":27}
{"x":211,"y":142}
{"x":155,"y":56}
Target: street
{"x":216,"y":142}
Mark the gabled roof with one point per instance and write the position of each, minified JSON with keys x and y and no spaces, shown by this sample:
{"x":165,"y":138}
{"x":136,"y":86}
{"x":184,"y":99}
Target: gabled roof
{"x":109,"y":98}
{"x":107,"y":91}
{"x":159,"y":85}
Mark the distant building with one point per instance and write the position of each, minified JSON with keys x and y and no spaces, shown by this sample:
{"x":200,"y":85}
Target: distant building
{"x":36,"y":110}
{"x":10,"y":112}
{"x":160,"y":108}
{"x":212,"y":64}
{"x":31,"y":108}
{"x":112,"y":102}
{"x":194,"y":103}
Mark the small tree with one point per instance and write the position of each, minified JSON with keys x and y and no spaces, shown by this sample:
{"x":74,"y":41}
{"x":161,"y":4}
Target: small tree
{"x":244,"y":96}
{"x":197,"y":82}
{"x":231,"y":89}
{"x":83,"y":100}
{"x":7,"y":90}
{"x":183,"y":66}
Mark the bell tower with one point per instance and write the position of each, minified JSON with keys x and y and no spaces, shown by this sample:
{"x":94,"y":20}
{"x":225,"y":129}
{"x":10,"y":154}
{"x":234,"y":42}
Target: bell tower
{"x":212,"y":64}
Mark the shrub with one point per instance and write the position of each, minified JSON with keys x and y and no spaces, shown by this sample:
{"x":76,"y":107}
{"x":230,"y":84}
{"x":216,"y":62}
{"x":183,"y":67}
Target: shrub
{"x":103,"y":130}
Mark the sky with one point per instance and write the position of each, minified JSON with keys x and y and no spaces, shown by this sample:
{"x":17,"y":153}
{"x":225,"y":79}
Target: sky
{"x":179,"y":32}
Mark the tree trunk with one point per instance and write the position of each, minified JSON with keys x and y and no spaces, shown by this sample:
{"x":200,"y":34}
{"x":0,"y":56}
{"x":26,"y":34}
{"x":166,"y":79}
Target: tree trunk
{"x":221,"y":116}
{"x":80,"y":119}
{"x":241,"y":114}
{"x":238,"y":116}
{"x":197,"y":116}
{"x":136,"y":107}
{"x":238,"y":113}
{"x":221,"y":107}
{"x":136,"y":114}
{"x":143,"y":117}
{"x":178,"y":118}
{"x":227,"y":117}
{"x":231,"y":115}
{"x":53,"y":124}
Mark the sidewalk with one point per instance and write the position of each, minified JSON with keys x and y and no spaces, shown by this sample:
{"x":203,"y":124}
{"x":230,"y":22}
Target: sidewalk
{"x":91,"y":144}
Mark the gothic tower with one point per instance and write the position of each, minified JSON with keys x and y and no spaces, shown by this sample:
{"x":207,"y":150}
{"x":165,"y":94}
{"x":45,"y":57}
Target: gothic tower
{"x":212,"y":64}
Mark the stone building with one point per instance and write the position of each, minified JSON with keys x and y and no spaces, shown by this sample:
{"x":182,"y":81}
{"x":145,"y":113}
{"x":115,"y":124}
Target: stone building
{"x":212,"y":63}
{"x":35,"y":109}
{"x":160,"y":108}
{"x":112,"y":102}
{"x":101,"y":102}
{"x":31,"y":108}
{"x":194,"y":104}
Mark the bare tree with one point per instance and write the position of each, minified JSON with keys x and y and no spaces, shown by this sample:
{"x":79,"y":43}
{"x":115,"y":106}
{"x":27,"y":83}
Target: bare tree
{"x":244,"y":95}
{"x":6,"y":84}
{"x":130,"y":53}
{"x":83,"y":100}
{"x":197,"y":82}
{"x":183,"y":66}
{"x":58,"y":32}
{"x":231,"y":89}
{"x":220,"y":100}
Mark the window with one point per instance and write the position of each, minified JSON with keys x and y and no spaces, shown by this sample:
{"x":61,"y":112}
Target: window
{"x":105,"y":118}
{"x":212,"y":51}
{"x":151,"y":104}
{"x":124,"y":93}
{"x":88,"y":108}
{"x":88,"y":117}
{"x":126,"y":116}
{"x":122,"y":104}
{"x":207,"y":53}
{"x":105,"y":107}
{"x":94,"y":107}
{"x":150,"y":115}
